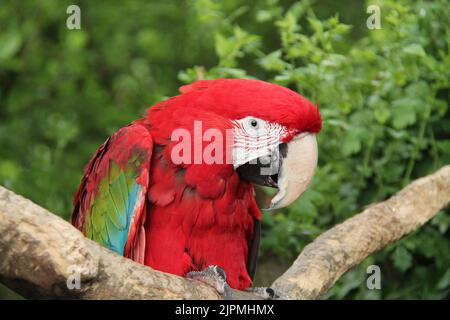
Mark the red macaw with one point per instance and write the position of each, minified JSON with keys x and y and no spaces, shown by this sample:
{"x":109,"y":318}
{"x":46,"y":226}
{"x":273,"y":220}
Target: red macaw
{"x":183,"y":216}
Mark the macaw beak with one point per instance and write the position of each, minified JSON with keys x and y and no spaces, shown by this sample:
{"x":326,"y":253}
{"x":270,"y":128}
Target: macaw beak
{"x":291,"y":168}
{"x":297,"y":170}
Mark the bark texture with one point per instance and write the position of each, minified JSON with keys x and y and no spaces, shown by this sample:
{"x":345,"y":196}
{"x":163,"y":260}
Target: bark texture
{"x":323,"y":261}
{"x":40,"y":253}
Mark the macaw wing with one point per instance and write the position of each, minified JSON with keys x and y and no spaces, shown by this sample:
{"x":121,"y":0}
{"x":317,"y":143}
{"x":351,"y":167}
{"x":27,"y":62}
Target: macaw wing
{"x":110,"y":204}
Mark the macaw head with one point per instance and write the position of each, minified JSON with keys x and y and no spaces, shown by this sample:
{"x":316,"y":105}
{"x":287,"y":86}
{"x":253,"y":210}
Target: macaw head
{"x":273,"y":130}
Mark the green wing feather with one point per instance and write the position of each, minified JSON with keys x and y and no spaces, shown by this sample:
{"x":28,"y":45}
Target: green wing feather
{"x":112,"y":207}
{"x":109,"y":206}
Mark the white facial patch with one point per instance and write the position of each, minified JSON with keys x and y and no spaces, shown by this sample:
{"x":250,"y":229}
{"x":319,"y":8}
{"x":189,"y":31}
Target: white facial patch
{"x":255,"y":138}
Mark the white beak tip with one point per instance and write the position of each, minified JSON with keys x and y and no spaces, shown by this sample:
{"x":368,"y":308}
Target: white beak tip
{"x":297,"y":171}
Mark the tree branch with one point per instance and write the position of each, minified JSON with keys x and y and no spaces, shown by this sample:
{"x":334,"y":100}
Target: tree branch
{"x":40,"y":252}
{"x":323,"y":261}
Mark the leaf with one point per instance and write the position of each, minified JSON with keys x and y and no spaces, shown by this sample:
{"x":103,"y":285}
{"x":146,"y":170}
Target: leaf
{"x":404,"y":112}
{"x":415,"y":49}
{"x":263,"y":15}
{"x":223,"y":46}
{"x":351,"y":143}
{"x":289,"y":23}
{"x":273,"y":61}
{"x":444,"y":282}
{"x":402,"y":259}
{"x":380,"y":107}
{"x":316,"y":25}
{"x":10,"y":44}
{"x":9,"y":170}
{"x":442,"y":221}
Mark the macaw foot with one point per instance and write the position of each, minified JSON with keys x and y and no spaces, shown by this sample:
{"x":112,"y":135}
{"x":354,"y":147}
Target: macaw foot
{"x":266,"y":293}
{"x":214,"y":276}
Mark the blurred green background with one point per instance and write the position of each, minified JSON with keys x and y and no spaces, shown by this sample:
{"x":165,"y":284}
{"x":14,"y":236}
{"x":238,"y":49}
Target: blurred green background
{"x":383,"y":95}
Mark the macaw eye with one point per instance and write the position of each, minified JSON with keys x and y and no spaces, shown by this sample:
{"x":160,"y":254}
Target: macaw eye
{"x":254,"y":123}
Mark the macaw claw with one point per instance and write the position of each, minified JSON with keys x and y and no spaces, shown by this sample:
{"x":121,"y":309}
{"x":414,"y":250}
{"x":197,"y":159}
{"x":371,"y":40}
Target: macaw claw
{"x":266,"y":293}
{"x":216,"y":277}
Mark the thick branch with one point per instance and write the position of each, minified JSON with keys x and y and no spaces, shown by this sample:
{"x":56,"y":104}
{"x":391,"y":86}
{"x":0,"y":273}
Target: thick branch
{"x":39,"y":251}
{"x":323,"y":261}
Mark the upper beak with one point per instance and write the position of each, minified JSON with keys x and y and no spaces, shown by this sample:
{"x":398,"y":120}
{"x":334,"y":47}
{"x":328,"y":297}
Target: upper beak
{"x":297,"y":170}
{"x":291,"y":168}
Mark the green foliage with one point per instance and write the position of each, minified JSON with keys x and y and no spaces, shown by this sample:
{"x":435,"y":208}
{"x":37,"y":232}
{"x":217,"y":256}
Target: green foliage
{"x":383,"y":95}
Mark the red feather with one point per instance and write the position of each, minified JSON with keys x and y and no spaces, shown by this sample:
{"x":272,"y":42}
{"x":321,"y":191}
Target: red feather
{"x":198,"y":214}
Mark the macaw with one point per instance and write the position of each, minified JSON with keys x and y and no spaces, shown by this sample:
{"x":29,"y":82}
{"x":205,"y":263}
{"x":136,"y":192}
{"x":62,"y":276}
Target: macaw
{"x":170,"y":208}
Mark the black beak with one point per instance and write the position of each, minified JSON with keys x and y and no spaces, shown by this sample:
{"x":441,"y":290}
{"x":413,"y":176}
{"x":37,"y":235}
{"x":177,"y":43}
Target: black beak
{"x":264,"y":170}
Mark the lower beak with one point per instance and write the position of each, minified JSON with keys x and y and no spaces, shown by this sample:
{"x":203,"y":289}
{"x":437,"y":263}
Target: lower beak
{"x":290,"y":168}
{"x":297,"y":170}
